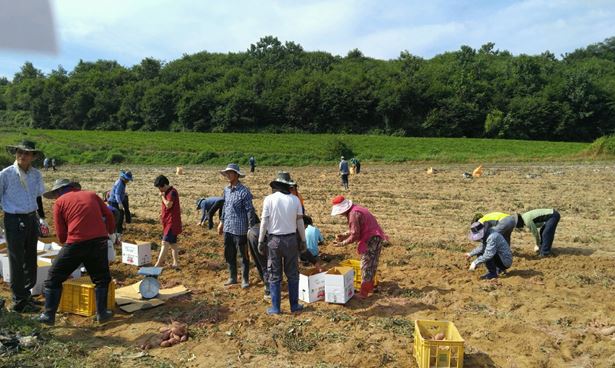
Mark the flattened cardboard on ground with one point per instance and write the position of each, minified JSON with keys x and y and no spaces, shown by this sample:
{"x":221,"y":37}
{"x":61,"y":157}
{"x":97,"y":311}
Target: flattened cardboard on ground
{"x":129,"y":299}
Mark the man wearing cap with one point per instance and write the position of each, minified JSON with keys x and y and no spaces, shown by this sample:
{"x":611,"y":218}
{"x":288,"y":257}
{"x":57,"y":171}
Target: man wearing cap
{"x":117,"y":198}
{"x":21,"y":187}
{"x":208,"y":207}
{"x":282,"y":220}
{"x":83,"y":224}
{"x":234,"y":224}
{"x":364,"y":229}
{"x":493,"y":250}
{"x":344,"y":172}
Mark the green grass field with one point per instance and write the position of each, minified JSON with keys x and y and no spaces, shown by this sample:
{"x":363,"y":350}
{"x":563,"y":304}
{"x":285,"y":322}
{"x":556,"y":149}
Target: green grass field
{"x":167,"y":148}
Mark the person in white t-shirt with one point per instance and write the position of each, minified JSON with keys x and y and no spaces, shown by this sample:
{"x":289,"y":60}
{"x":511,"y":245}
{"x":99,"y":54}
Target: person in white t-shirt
{"x":281,"y":220}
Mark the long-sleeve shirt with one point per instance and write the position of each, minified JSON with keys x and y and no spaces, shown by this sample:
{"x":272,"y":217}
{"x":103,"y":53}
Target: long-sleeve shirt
{"x":19,"y":197}
{"x":344,"y":167}
{"x":118,"y":192}
{"x":535,"y":219}
{"x":78,"y":216}
{"x":495,"y":244}
{"x":209,"y":207}
{"x":237,"y":206}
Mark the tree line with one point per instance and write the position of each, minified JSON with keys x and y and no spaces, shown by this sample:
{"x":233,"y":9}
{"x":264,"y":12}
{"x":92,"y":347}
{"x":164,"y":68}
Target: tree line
{"x":280,"y":87}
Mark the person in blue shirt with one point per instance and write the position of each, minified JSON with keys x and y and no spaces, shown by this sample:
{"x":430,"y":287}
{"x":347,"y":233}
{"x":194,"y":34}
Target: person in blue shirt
{"x":252,"y":164}
{"x":208,"y":207}
{"x":344,"y":172}
{"x":21,"y":188}
{"x":117,"y":198}
{"x":313,"y":239}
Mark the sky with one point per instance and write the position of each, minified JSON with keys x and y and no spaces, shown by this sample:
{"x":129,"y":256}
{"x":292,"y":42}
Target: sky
{"x":130,"y":30}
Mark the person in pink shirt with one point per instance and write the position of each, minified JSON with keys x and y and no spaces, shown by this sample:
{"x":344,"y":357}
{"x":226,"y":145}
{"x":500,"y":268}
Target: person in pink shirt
{"x":364,"y":230}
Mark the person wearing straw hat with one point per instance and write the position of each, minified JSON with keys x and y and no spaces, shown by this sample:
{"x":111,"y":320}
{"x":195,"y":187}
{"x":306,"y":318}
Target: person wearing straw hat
{"x":21,"y":187}
{"x":118,"y":199}
{"x":282,"y":220}
{"x":363,"y":229}
{"x":234,"y":224}
{"x":83,"y":224}
{"x":493,"y":250}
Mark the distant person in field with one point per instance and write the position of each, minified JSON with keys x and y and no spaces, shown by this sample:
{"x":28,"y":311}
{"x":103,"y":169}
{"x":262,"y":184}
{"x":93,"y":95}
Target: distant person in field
{"x":344,"y":172}
{"x":234,"y":224}
{"x":53,"y":164}
{"x":170,"y":216}
{"x":294,"y":191}
{"x":82,"y":224}
{"x":117,"y":198}
{"x":46,"y":163}
{"x":260,"y":260}
{"x":356,"y":164}
{"x":544,"y":218}
{"x":501,"y":222}
{"x":207,"y":208}
{"x":313,"y":238}
{"x":363,"y":229}
{"x":493,"y":250}
{"x":282,"y":222}
{"x":252,"y":164}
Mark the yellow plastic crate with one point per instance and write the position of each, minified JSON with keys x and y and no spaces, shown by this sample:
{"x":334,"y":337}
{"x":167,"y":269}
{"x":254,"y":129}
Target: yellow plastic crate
{"x":356,"y":264}
{"x":429,"y":353}
{"x":78,"y":297}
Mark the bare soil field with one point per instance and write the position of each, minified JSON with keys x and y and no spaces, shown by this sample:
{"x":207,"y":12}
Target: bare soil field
{"x":543,"y":313}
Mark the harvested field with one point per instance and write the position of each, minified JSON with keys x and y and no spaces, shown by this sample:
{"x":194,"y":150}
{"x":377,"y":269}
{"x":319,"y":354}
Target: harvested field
{"x":543,"y":313}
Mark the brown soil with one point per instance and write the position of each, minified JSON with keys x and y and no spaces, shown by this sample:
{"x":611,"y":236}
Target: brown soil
{"x":543,"y":313}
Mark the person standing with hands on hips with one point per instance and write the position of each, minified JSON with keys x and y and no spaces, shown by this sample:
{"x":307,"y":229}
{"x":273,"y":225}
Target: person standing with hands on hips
{"x":21,"y":188}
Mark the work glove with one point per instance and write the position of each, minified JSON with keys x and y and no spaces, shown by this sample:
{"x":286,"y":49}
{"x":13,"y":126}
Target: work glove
{"x":43,"y":227}
{"x":262,"y":248}
{"x":472,"y":266}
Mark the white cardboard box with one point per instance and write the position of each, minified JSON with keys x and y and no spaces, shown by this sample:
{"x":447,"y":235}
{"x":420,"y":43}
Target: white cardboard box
{"x":4,"y":267}
{"x":312,"y":286}
{"x":40,"y":245}
{"x":136,"y":254}
{"x":41,"y":275}
{"x":339,"y":285}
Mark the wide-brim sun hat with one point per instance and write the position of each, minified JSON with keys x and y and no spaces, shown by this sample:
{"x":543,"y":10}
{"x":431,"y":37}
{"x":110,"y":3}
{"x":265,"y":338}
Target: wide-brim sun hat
{"x":340,"y":205}
{"x":59,"y":184}
{"x":477,"y":231}
{"x":24,"y":145}
{"x":283,"y":178}
{"x":233,"y":167}
{"x":126,"y":175}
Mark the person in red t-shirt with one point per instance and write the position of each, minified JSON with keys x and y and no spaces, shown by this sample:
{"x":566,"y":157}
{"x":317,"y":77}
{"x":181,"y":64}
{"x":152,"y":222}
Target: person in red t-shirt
{"x":170,"y":216}
{"x":83,"y":224}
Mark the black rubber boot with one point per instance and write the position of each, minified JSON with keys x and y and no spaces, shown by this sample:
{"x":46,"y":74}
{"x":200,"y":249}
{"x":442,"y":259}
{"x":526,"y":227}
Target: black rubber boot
{"x":102,"y":314}
{"x":52,"y":301}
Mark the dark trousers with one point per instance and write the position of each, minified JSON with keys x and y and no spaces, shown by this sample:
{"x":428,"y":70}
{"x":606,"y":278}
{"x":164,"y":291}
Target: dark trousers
{"x":345,"y":180}
{"x":259,"y":260}
{"x":119,"y":220}
{"x":92,"y":253}
{"x":21,"y":238}
{"x":308,"y":257}
{"x":283,"y":255}
{"x":127,"y":215}
{"x":232,"y":245}
{"x":547,"y":233}
{"x":494,"y":264}
{"x":357,"y":168}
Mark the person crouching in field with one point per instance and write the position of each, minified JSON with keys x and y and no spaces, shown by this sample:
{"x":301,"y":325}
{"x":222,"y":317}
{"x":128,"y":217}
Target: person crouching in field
{"x":170,"y":216}
{"x":501,"y":222}
{"x":82,"y":224}
{"x":364,"y":229}
{"x":493,"y":250}
{"x":313,"y":239}
{"x":544,"y":218}
{"x":260,"y":260}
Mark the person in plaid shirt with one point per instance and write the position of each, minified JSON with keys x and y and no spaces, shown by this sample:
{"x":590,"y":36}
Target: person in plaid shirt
{"x":234,"y":224}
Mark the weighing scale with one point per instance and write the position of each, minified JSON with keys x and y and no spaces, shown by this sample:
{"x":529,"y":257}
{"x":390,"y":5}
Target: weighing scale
{"x":150,"y":286}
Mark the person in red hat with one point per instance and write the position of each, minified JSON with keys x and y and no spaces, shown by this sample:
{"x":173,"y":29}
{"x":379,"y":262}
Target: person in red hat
{"x":363,"y":229}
